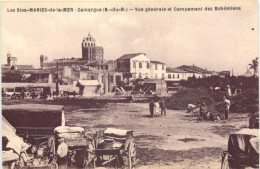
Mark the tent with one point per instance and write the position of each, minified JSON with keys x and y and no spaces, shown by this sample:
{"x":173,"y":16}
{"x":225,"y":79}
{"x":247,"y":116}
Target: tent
{"x":7,"y":128}
{"x":88,"y":87}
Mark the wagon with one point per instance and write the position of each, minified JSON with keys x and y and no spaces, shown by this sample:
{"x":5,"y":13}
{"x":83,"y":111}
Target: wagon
{"x":115,"y":148}
{"x":44,"y":157}
{"x":243,"y":150}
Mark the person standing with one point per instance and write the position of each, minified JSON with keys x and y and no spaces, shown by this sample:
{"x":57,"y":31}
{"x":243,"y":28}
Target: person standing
{"x":62,"y":154}
{"x":203,"y":112}
{"x":162,"y":104}
{"x":151,"y":106}
{"x":227,"y":107}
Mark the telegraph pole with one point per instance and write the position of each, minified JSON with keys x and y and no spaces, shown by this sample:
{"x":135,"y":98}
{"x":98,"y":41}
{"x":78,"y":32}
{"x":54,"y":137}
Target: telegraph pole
{"x":57,"y":80}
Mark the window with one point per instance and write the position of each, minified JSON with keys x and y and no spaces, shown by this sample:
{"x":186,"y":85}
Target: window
{"x":118,"y":65}
{"x":162,"y":66}
{"x":92,"y":77}
{"x":111,"y":79}
{"x":134,"y":65}
{"x":178,"y":76}
{"x":140,"y":75}
{"x":102,"y":79}
{"x":148,"y":66}
{"x":162,"y":75}
{"x":155,"y":66}
{"x":140,"y":65}
{"x":169,"y":76}
{"x":173,"y":76}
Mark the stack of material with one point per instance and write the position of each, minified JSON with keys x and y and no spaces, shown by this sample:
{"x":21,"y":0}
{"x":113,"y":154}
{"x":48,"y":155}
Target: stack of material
{"x":69,"y":132}
{"x":117,"y":133}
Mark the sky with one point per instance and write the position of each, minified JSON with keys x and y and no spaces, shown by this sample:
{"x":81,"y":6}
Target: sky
{"x":216,"y":40}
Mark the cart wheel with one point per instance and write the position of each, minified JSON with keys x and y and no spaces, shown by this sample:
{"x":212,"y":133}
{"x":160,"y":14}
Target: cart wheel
{"x":225,"y":163}
{"x":54,"y":166}
{"x":131,"y":154}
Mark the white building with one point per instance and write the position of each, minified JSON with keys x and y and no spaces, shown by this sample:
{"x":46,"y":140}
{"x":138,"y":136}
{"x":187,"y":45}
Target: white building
{"x":174,"y":74}
{"x":134,"y":66}
{"x":157,"y":70}
{"x":139,"y":66}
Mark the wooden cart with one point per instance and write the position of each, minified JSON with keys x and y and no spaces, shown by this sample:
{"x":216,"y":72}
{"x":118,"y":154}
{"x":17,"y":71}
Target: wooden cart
{"x":115,"y":151}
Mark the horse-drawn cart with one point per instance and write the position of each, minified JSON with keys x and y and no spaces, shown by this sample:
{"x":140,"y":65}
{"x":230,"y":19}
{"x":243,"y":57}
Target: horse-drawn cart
{"x":115,"y":148}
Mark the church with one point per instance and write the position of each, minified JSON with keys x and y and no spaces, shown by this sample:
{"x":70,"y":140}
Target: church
{"x":90,"y":53}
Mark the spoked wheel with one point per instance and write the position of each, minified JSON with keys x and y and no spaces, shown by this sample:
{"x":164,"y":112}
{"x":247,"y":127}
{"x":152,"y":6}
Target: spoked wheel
{"x":54,"y":166}
{"x":131,"y":154}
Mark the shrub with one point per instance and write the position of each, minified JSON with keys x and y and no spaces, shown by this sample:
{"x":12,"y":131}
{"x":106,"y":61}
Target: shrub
{"x":246,"y":102}
{"x":185,"y":96}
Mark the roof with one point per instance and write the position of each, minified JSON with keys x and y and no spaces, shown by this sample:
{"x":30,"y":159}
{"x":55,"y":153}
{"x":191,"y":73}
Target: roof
{"x":108,"y":62}
{"x":85,"y":68}
{"x":175,"y":70}
{"x":88,"y":83}
{"x":193,"y":69}
{"x":247,"y":131}
{"x":157,"y":62}
{"x":94,"y":63}
{"x":156,"y":81}
{"x":32,"y":107}
{"x":129,"y":56}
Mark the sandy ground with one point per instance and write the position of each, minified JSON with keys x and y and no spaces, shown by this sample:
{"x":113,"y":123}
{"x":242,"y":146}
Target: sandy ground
{"x":175,"y":141}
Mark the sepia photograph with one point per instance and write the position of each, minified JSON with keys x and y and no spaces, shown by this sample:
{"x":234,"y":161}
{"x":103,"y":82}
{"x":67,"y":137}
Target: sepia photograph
{"x":130,"y":84}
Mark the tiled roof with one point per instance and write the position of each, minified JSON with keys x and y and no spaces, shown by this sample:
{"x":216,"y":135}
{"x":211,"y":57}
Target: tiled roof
{"x":129,"y":56}
{"x":193,"y":69}
{"x":175,"y":70}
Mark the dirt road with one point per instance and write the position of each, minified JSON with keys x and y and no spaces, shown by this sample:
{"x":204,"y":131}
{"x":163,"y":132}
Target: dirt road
{"x":175,"y":141}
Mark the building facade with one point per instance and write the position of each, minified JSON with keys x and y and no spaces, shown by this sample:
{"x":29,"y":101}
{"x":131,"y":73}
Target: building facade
{"x":157,"y":70}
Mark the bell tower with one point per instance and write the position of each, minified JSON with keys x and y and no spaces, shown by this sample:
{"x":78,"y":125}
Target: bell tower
{"x":90,"y":51}
{"x":88,"y":47}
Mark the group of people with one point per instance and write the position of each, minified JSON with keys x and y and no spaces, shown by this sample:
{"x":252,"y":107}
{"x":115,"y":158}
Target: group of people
{"x":204,"y":114}
{"x":155,"y":107}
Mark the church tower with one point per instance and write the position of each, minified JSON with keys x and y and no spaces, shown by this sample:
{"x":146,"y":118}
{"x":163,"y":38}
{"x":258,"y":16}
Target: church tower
{"x":90,"y":51}
{"x":11,"y":60}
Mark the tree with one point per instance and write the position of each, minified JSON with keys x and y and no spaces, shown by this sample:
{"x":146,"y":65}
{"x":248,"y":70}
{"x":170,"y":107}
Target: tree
{"x":254,"y":66}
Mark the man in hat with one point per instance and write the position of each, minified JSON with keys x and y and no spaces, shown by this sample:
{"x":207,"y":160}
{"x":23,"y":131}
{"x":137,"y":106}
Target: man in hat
{"x":62,"y":154}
